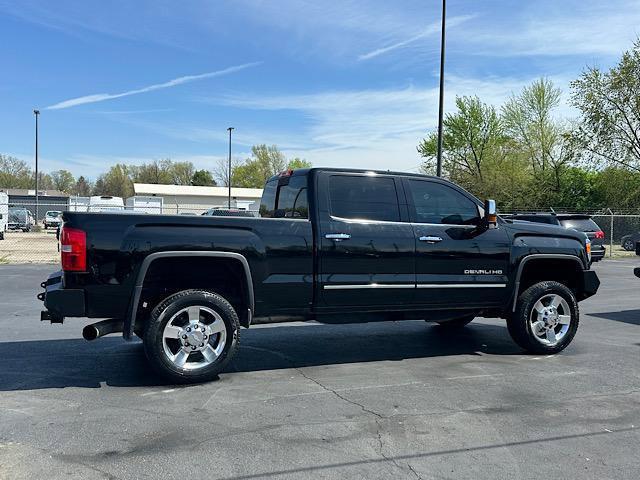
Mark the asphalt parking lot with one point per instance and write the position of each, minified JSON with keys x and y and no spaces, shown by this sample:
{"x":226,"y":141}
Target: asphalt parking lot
{"x":383,"y":400}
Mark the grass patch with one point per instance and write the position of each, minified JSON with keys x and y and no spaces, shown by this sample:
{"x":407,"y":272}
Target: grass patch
{"x":618,"y":252}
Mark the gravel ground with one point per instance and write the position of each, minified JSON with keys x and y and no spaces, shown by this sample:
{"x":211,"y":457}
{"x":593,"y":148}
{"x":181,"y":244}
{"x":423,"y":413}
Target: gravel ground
{"x":29,"y":247}
{"x":379,"y":400}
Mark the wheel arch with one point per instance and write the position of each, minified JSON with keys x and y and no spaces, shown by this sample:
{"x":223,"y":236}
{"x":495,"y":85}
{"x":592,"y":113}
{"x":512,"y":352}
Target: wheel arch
{"x":235,"y":258}
{"x":531,"y":263}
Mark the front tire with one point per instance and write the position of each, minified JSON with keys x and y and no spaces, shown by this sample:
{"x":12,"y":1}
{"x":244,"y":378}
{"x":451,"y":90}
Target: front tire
{"x":191,"y":336}
{"x":628,"y":245}
{"x":546,"y":318}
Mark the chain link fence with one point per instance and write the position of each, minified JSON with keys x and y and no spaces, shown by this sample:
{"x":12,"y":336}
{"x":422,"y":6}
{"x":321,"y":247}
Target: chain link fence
{"x":28,"y":232}
{"x":621,"y":227}
{"x":27,"y":240}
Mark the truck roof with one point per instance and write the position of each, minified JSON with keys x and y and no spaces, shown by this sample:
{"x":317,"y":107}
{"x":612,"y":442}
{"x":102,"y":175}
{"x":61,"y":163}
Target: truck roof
{"x":306,"y":171}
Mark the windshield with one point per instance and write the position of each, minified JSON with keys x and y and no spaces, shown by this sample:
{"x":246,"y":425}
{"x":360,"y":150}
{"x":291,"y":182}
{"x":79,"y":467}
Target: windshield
{"x":17,"y":215}
{"x":580,"y":224}
{"x":54,"y":214}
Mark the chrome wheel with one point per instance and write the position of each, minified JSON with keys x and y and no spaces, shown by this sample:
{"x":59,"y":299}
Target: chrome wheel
{"x":194,"y":337}
{"x":550,"y":319}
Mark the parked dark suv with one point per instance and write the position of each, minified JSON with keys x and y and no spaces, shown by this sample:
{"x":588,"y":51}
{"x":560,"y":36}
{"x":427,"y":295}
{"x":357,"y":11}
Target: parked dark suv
{"x":628,"y":242}
{"x":581,"y":222}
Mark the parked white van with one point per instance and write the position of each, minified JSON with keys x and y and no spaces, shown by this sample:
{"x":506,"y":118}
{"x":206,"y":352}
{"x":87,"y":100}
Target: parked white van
{"x":4,"y":213}
{"x":105,"y":203}
{"x":145,"y":204}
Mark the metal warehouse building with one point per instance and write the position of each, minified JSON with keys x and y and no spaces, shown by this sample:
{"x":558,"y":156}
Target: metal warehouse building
{"x":47,"y":200}
{"x":192,"y":199}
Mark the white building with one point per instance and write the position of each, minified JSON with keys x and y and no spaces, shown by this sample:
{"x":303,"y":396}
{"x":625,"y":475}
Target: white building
{"x":190,"y":199}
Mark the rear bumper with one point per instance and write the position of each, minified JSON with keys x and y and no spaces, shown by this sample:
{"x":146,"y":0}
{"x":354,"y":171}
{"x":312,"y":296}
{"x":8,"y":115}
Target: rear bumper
{"x":597,"y":252}
{"x":590,"y":284}
{"x":60,"y":302}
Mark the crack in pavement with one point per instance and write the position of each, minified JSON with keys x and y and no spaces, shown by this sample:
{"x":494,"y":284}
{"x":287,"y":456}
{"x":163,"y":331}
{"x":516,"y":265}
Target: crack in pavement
{"x":378,"y":417}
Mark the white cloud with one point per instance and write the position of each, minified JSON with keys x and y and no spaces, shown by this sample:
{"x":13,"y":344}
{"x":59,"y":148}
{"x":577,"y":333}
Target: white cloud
{"x":374,"y":128}
{"x":100,"y":97}
{"x":585,"y":29}
{"x":430,"y":30}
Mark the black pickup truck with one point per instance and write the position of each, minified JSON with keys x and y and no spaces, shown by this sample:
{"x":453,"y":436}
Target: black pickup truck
{"x":333,"y":245}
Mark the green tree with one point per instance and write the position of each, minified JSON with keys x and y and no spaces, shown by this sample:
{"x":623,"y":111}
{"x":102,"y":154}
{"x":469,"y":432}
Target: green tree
{"x":609,"y":103}
{"x":578,"y":190}
{"x":181,"y":173}
{"x":473,"y":142}
{"x":63,"y":180}
{"x":221,"y":170}
{"x":15,"y":173}
{"x":203,"y":178}
{"x":155,"y":172}
{"x":265,"y":162}
{"x":543,"y":141}
{"x":44,"y":181}
{"x":248,"y":175}
{"x":82,"y":187}
{"x":115,"y":182}
{"x":617,"y":188}
{"x":163,"y":171}
{"x":296,"y":163}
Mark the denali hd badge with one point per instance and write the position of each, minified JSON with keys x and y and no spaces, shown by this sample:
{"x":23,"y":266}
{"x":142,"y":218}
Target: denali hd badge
{"x":483,"y":272}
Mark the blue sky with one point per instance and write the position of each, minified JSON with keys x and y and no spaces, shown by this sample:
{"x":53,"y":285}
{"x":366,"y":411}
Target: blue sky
{"x":348,"y":83}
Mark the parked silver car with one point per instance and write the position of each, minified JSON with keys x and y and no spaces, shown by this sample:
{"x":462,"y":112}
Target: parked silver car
{"x":53,"y":219}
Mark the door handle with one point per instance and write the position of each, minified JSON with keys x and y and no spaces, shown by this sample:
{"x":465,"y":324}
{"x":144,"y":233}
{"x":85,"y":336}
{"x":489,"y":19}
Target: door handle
{"x":338,"y":237}
{"x":430,"y":239}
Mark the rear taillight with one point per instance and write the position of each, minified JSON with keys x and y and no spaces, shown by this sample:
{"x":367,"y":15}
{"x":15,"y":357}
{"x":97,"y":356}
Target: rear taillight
{"x":73,"y":250}
{"x":600,"y":234}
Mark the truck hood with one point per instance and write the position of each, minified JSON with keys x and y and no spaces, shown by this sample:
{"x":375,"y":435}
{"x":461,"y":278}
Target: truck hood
{"x":523,"y":227}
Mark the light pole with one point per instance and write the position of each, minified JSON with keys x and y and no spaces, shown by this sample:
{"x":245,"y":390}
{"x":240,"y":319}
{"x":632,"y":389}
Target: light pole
{"x":441,"y":103}
{"x":37,"y":114}
{"x":230,"y":129}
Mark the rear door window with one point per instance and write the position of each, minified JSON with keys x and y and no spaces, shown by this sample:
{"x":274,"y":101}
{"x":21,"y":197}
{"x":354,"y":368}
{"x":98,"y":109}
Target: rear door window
{"x":364,"y":197}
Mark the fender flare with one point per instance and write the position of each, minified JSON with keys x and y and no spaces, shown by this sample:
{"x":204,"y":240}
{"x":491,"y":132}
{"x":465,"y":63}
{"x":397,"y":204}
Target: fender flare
{"x":536,"y":256}
{"x":130,"y":320}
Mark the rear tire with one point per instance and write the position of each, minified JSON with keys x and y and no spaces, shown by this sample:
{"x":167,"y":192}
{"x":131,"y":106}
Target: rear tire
{"x":628,"y":245}
{"x":191,"y":336}
{"x":457,"y":323}
{"x":546,"y":318}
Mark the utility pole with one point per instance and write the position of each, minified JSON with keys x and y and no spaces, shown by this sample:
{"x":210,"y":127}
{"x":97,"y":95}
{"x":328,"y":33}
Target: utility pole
{"x":441,"y":103}
{"x":230,"y":129}
{"x":37,"y":114}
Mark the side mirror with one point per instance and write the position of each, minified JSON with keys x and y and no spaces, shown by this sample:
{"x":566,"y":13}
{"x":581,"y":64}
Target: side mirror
{"x":490,"y":214}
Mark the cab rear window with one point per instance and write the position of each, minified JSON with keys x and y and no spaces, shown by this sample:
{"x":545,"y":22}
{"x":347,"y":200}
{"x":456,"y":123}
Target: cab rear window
{"x":285,"y":197}
{"x":580,"y":224}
